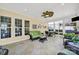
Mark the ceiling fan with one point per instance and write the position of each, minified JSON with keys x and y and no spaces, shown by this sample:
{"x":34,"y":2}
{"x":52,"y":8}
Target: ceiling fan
{"x":47,"y":14}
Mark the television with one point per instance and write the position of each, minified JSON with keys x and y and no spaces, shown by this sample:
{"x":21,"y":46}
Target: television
{"x":75,"y":18}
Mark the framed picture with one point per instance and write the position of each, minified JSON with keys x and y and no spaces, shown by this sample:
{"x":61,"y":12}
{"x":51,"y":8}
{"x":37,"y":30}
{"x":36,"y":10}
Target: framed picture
{"x":39,"y":26}
{"x":34,"y":26}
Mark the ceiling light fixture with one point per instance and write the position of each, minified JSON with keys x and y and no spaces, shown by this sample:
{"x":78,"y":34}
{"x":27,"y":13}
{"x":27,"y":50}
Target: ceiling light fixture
{"x":47,"y":14}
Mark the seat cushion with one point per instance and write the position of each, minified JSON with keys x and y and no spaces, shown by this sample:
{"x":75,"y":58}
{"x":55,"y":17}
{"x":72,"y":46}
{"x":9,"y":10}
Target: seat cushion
{"x":67,"y":52}
{"x":35,"y":34}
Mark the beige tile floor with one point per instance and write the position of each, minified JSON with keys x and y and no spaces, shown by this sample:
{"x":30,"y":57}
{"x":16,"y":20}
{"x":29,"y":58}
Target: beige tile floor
{"x":50,"y":47}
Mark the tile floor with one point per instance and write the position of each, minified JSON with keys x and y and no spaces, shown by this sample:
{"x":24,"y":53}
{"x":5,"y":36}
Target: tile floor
{"x":28,"y":47}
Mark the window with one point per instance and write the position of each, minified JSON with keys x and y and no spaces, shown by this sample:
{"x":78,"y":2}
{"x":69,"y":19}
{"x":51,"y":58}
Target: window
{"x":59,"y":25}
{"x":56,"y":26}
{"x":26,"y":27}
{"x":18,"y":27}
{"x":69,"y":27}
{"x":51,"y":26}
{"x":5,"y":27}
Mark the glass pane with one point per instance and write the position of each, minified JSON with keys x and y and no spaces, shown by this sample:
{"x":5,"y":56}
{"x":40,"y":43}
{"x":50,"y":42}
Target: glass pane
{"x":18,"y":31}
{"x":0,"y":32}
{"x":8,"y":25}
{"x":5,"y":33}
{"x":26,"y":23}
{"x":59,"y":25}
{"x":51,"y":26}
{"x":26,"y":30}
{"x":4,"y":24}
{"x":5,"y":19}
{"x":9,"y":20}
{"x":0,"y":22}
{"x":18,"y":23}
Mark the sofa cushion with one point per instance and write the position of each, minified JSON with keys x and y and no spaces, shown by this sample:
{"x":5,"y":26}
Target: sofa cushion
{"x":35,"y":34}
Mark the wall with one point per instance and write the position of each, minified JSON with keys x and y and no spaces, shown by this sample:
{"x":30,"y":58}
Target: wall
{"x":41,"y":23}
{"x":23,"y":37}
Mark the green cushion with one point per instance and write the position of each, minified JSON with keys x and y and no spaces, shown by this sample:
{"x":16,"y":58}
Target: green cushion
{"x":75,"y":39}
{"x":69,"y":34}
{"x":35,"y":34}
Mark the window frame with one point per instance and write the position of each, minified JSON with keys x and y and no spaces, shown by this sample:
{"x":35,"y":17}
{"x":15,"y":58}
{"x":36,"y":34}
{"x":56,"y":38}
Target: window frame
{"x":25,"y":27}
{"x":18,"y":26}
{"x":7,"y":21}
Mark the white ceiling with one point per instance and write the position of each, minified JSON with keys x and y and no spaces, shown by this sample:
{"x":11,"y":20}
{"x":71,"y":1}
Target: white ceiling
{"x":35,"y":9}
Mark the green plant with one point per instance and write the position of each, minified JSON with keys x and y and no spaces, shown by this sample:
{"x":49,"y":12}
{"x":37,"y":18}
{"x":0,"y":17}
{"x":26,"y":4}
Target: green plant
{"x":73,"y":36}
{"x":75,"y":39}
{"x":69,"y":34}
